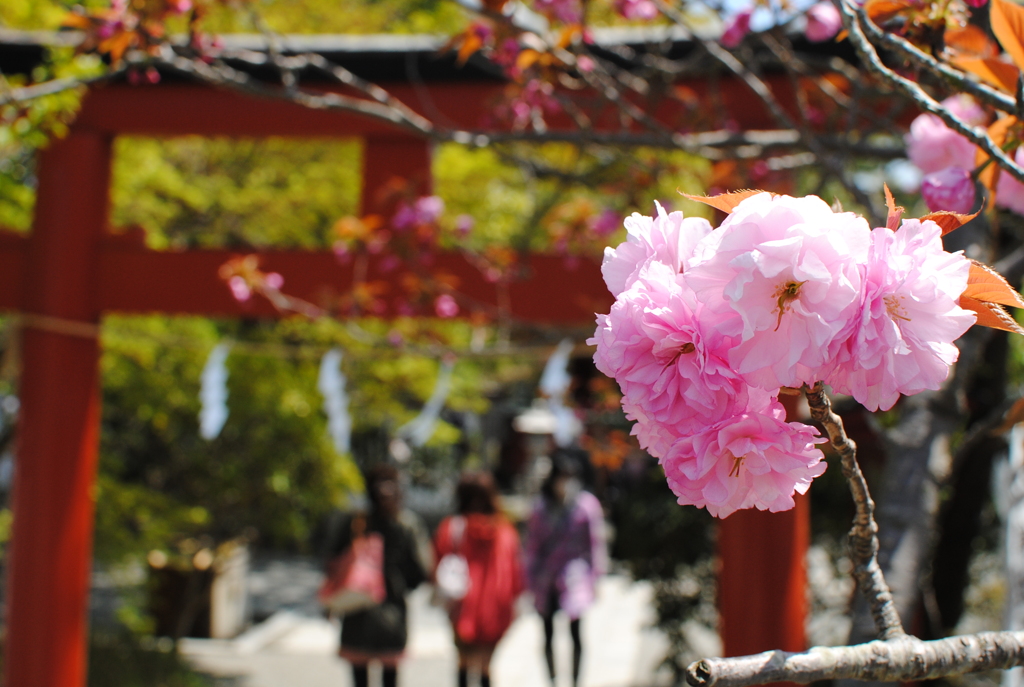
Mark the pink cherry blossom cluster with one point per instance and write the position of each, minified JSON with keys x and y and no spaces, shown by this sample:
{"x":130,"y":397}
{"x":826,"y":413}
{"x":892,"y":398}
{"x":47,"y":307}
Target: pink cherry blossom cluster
{"x":708,"y":324}
{"x":947,"y":158}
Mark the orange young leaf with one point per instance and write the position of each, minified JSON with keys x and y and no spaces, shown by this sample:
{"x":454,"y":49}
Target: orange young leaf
{"x":1007,"y":19}
{"x":948,"y":221}
{"x":987,"y":285}
{"x":726,"y":202}
{"x":991,"y":70}
{"x":970,"y":40}
{"x":74,"y":20}
{"x":470,"y":45}
{"x":991,"y":315}
{"x":882,"y":11}
{"x":1015,"y":415}
{"x":118,"y":44}
{"x":526,"y":59}
{"x":568,"y":35}
{"x":999,"y":132}
{"x":892,"y":220}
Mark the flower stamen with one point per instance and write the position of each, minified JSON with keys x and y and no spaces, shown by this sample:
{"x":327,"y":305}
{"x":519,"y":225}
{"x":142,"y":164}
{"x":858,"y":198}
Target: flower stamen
{"x":783,"y":295}
{"x":736,"y":462}
{"x":688,"y":347}
{"x":894,"y":306}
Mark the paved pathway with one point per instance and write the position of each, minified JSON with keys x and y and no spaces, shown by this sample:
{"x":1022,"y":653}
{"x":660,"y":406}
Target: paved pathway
{"x":296,"y":649}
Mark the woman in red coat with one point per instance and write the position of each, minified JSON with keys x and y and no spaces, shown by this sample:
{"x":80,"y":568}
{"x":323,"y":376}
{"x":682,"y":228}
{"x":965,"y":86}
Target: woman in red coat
{"x":489,"y":544}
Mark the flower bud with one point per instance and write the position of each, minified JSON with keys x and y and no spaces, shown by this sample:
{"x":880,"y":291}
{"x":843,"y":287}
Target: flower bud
{"x":823,"y":22}
{"x":951,"y":189}
{"x":737,"y":30}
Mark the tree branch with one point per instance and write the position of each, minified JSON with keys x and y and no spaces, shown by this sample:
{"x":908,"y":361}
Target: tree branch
{"x":52,"y":87}
{"x":863,"y":537}
{"x":911,"y":52}
{"x":896,"y":660}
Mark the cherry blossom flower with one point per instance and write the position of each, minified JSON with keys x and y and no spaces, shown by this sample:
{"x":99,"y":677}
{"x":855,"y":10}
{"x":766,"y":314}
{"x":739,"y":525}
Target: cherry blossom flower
{"x":1009,"y":191}
{"x":606,"y":223}
{"x":464,"y":224}
{"x":737,"y":29}
{"x":565,"y":11}
{"x":667,"y":237}
{"x":708,"y":324}
{"x":823,"y":22}
{"x":428,"y":209}
{"x":950,"y":189}
{"x":240,"y":290}
{"x":273,"y":280}
{"x":666,"y":361}
{"x":788,"y":271}
{"x":753,"y":459}
{"x":445,"y":306}
{"x":637,"y":9}
{"x":903,"y":343}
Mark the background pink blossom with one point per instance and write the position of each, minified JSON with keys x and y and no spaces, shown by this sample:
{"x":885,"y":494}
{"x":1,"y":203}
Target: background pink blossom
{"x":933,"y":146}
{"x":1009,"y":191}
{"x":823,"y":22}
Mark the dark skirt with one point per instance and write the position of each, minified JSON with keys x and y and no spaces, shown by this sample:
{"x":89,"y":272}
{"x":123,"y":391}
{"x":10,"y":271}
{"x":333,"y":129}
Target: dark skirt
{"x":378,"y":633}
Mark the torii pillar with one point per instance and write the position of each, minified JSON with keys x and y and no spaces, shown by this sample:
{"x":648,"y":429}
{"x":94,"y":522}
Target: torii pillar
{"x":762,"y":582}
{"x":50,"y":553}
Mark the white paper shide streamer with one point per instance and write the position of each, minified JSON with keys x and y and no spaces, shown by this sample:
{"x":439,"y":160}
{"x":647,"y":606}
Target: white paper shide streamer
{"x":418,"y":430}
{"x":213,"y":393}
{"x":554,"y":383}
{"x":331,"y":384}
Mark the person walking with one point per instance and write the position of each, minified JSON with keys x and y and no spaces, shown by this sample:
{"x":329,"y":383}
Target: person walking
{"x":480,"y":590}
{"x":565,"y":554}
{"x":379,"y":633}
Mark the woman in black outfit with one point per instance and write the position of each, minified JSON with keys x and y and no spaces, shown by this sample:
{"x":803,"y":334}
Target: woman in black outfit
{"x":379,"y":633}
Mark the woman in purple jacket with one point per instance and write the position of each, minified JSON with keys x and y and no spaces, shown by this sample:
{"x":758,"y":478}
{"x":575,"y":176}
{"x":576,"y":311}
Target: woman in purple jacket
{"x":565,"y":553}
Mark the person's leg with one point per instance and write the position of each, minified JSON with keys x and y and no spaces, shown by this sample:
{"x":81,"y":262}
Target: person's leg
{"x":577,"y":649}
{"x":485,"y":666}
{"x":463,"y":668}
{"x":360,"y":675}
{"x":389,"y":676}
{"x":549,"y":633}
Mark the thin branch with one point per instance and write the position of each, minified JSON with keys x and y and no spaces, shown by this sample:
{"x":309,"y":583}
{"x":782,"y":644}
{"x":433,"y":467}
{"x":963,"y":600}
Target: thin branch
{"x":761,"y":89}
{"x":897,"y":660}
{"x":863,"y":537}
{"x":54,"y":86}
{"x":223,"y":75}
{"x":333,"y":70}
{"x":911,"y":52}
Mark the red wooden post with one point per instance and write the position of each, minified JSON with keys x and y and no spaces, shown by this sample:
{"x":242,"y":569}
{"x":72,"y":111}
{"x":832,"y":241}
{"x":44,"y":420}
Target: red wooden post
{"x":51,"y":547}
{"x":761,"y":592}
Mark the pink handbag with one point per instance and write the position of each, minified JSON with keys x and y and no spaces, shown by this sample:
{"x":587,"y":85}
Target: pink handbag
{"x":355,"y":578}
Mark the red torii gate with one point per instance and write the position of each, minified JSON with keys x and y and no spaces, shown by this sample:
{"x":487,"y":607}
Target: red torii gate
{"x":71,"y":270}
